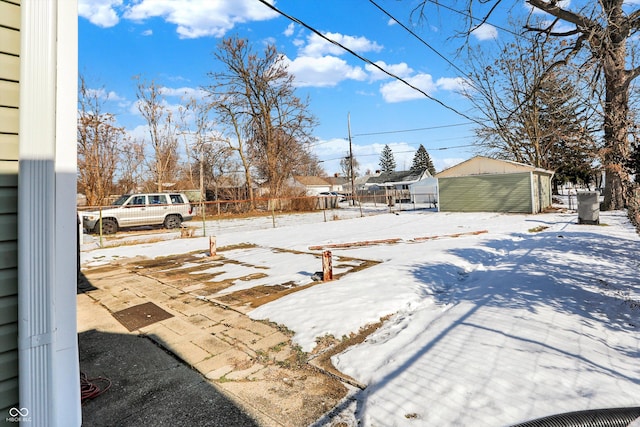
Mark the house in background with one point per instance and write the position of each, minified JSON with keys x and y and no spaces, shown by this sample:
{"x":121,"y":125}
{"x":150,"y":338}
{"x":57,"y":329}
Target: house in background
{"x":482,"y":184}
{"x":311,"y":185}
{"x":338,"y":183}
{"x":394,"y":185}
{"x":39,"y":364}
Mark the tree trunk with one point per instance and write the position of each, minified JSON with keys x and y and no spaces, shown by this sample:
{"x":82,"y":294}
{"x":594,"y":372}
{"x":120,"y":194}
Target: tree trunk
{"x":616,"y":143}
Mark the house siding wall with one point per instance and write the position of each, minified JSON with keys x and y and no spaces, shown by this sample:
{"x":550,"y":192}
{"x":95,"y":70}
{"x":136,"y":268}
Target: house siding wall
{"x":486,"y":193}
{"x":9,"y":125}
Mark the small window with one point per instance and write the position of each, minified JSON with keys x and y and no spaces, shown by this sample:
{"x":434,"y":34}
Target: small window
{"x":157,"y":199}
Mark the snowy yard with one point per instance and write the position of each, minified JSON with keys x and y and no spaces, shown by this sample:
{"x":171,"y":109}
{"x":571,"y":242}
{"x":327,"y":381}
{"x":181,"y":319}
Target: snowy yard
{"x":516,"y":318}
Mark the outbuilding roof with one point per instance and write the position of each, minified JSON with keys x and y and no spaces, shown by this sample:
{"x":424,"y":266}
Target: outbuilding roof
{"x":480,"y":165}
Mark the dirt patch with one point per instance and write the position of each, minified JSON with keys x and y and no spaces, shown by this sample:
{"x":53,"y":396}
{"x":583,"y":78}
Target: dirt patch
{"x":293,"y":397}
{"x":259,"y":295}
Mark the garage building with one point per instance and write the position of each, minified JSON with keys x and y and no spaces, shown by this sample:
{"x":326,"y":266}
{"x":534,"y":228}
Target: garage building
{"x":483,"y":184}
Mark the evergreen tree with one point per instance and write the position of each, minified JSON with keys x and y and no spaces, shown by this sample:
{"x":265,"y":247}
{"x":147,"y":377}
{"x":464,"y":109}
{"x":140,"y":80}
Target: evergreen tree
{"x":387,"y":162}
{"x":422,"y":161}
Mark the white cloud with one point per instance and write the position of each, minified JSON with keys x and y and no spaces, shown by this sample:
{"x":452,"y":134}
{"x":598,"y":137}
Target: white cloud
{"x":104,"y":95}
{"x":397,"y":91}
{"x":485,"y":32}
{"x":140,"y":132}
{"x":317,"y":46}
{"x":100,"y":12}
{"x":325,"y":71}
{"x":391,"y":22}
{"x":183,"y":92}
{"x":289,"y":30}
{"x":331,"y":151}
{"x":400,"y":70}
{"x":147,"y":33}
{"x":200,"y":18}
{"x":455,"y":84}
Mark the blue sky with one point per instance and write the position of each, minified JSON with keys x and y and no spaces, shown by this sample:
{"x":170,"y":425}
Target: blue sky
{"x":171,"y":42}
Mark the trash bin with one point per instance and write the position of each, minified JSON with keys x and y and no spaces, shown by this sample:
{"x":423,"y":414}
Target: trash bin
{"x":588,"y":207}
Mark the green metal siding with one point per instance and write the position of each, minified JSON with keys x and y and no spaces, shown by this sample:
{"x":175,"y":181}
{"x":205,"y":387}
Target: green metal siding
{"x":486,"y":193}
{"x":9,"y":121}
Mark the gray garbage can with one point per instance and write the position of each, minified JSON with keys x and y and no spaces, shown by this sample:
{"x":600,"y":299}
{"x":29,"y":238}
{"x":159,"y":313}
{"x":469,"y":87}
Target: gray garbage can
{"x":588,"y":207}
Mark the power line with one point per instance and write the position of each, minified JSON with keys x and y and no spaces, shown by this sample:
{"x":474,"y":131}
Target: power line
{"x":410,"y":130}
{"x":473,"y":18}
{"x":401,"y":152}
{"x":364,"y":59}
{"x":418,"y":37}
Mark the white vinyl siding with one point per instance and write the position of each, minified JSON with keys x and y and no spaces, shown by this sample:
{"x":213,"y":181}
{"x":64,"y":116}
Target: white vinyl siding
{"x":9,"y":126}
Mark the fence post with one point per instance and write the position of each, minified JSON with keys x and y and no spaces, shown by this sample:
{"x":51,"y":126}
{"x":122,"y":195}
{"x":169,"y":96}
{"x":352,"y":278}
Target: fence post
{"x":273,"y":212}
{"x":212,"y":246}
{"x":327,"y":267}
{"x":100,"y":222}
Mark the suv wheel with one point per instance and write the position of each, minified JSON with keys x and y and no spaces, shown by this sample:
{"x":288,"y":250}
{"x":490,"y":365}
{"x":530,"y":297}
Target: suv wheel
{"x":109,"y":226}
{"x":172,"y":221}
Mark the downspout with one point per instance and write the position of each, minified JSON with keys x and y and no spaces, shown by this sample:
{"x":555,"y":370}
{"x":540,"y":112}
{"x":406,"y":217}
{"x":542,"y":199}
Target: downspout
{"x":47,"y":335}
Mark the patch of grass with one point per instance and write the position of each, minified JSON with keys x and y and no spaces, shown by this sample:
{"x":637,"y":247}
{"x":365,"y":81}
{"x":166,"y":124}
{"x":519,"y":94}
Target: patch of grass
{"x":538,"y":229}
{"x":278,"y":347}
{"x":224,"y":379}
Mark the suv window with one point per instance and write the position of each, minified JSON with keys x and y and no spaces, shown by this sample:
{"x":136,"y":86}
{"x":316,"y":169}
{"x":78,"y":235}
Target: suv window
{"x":158,"y":199}
{"x":137,"y":201}
{"x":176,"y":198}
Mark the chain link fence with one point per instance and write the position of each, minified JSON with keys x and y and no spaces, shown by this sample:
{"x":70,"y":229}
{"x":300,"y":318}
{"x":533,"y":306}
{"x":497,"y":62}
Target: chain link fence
{"x":101,"y":224}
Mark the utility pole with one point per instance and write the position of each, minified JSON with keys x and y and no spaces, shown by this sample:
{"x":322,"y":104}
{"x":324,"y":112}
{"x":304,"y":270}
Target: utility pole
{"x":202,"y":192}
{"x":353,"y":188}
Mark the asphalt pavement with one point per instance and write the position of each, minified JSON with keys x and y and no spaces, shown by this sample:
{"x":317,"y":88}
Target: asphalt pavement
{"x":135,"y":382}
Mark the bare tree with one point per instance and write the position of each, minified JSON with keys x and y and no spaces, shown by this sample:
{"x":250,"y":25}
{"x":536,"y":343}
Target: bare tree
{"x":601,"y":29}
{"x":531,"y":114}
{"x":131,"y":167}
{"x":236,"y":133}
{"x":254,"y":95}
{"x":346,"y":166}
{"x":162,"y":133}
{"x":100,"y":143}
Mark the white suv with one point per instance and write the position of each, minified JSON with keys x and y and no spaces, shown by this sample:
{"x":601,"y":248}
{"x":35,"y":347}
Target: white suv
{"x":133,"y":210}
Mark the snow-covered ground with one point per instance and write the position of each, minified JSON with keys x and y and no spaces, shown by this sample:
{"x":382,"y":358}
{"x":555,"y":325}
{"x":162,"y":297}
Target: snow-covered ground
{"x":496,"y":326}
